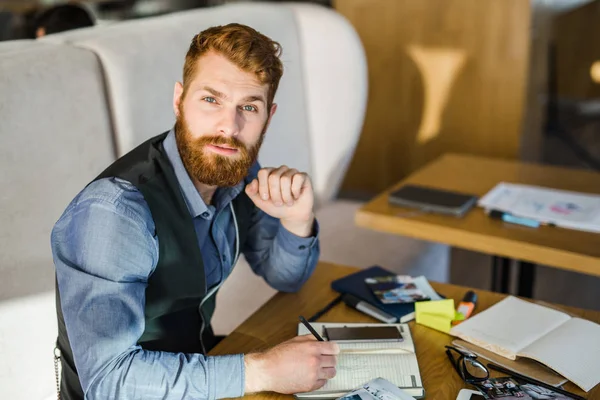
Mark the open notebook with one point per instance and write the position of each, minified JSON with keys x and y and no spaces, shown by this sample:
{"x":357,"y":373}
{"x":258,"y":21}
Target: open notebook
{"x":517,"y":328}
{"x":395,"y":361}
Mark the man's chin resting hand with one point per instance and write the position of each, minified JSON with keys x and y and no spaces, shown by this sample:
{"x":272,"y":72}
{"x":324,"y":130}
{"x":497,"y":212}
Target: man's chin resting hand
{"x":286,"y":194}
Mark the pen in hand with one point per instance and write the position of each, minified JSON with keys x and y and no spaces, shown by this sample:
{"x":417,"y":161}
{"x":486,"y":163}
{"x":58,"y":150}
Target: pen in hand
{"x":310,"y":328}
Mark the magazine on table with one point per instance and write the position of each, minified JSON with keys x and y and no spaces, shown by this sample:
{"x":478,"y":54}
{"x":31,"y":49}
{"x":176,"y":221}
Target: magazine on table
{"x":377,"y":389}
{"x":515,"y":389}
{"x":401,"y":289}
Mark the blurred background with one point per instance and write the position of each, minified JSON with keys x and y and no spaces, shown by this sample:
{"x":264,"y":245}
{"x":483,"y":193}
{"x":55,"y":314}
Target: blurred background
{"x":18,"y":15}
{"x":545,"y":108}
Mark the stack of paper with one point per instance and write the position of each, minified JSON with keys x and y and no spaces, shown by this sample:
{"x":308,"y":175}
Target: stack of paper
{"x":549,"y":206}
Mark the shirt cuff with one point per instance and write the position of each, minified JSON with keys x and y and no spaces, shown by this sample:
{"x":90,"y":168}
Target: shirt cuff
{"x":225,"y":376}
{"x":292,"y":243}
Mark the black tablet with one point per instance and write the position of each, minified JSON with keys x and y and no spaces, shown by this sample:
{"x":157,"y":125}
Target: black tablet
{"x":364,"y":333}
{"x":433,"y":200}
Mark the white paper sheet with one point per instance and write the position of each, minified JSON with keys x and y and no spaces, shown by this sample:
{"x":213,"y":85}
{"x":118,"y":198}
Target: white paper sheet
{"x":559,"y":207}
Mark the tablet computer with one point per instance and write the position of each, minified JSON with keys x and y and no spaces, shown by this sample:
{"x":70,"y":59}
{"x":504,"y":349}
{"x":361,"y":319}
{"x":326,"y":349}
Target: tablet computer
{"x":364,"y":334}
{"x":433,"y":200}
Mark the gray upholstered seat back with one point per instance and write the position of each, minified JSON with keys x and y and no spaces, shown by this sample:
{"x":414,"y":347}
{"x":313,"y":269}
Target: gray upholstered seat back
{"x":54,"y":126}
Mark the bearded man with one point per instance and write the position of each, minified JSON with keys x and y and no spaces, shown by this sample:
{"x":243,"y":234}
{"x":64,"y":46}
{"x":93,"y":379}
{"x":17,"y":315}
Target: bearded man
{"x":142,"y":250}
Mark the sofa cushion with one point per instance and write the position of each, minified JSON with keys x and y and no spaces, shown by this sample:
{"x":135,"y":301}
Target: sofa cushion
{"x":56,"y":137}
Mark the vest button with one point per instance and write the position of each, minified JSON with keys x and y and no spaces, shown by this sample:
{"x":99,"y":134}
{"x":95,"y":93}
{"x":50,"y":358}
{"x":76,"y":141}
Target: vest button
{"x":205,"y":214}
{"x":224,"y":257}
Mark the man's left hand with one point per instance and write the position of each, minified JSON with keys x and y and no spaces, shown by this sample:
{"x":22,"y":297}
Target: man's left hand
{"x":286,"y":194}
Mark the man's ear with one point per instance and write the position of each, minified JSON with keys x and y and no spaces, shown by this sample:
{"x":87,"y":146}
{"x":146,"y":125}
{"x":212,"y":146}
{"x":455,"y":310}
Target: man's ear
{"x":271,"y":113}
{"x":177,"y":97}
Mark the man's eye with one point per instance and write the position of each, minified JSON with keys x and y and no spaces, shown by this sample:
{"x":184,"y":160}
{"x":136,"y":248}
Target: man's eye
{"x":249,"y":108}
{"x":210,"y":99}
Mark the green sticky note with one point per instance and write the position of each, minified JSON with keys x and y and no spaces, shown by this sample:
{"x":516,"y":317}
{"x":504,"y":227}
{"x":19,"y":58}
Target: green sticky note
{"x":436,"y":314}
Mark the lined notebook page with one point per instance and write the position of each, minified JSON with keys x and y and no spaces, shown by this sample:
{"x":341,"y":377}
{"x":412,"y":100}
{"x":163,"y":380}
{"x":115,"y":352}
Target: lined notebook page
{"x":379,"y":348}
{"x":573,"y":350}
{"x":353,"y":370}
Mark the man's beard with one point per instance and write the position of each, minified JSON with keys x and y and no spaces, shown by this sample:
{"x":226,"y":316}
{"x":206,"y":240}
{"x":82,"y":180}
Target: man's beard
{"x":210,"y":168}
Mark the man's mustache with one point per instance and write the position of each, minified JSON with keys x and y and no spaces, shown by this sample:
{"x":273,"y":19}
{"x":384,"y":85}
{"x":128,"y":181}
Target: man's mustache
{"x":220,"y":141}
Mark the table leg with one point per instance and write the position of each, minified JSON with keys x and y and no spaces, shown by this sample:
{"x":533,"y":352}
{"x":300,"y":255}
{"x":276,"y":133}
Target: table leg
{"x":526,"y":278}
{"x":500,"y":274}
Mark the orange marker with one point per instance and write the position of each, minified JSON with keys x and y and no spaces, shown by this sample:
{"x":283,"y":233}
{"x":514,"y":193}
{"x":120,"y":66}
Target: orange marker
{"x":466,"y":307}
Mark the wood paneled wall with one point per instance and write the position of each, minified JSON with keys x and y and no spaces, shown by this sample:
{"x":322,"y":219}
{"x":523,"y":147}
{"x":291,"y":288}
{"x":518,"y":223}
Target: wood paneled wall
{"x":444,"y":75}
{"x":535,"y":109}
{"x":577,"y":39}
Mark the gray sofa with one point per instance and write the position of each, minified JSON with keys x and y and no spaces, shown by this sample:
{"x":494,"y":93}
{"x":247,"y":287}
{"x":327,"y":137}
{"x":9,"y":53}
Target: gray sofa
{"x":72,"y":103}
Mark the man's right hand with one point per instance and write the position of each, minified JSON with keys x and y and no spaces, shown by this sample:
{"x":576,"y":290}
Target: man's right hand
{"x":301,"y":364}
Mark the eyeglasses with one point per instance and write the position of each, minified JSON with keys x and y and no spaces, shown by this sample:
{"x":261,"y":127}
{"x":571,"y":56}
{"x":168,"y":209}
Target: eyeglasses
{"x":467,"y":366}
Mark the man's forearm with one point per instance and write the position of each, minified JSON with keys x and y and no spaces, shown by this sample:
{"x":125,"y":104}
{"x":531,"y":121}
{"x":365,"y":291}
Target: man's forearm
{"x":151,"y":374}
{"x":254,"y":379}
{"x":283,"y":258}
{"x":300,"y":228}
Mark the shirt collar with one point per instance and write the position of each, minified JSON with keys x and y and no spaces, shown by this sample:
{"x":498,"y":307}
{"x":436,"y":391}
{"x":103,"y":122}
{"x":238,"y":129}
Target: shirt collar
{"x":192,"y":197}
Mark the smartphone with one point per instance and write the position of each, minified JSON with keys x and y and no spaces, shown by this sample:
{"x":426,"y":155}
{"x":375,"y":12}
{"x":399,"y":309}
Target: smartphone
{"x":364,"y":334}
{"x":433,"y":200}
{"x":466,"y":394}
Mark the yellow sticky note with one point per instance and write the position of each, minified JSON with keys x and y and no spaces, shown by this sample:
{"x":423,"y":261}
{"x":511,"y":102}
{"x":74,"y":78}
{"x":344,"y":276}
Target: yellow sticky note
{"x":436,"y":314}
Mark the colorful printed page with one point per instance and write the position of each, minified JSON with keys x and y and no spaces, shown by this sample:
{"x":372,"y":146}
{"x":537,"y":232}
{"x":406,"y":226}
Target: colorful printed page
{"x":558,"y":207}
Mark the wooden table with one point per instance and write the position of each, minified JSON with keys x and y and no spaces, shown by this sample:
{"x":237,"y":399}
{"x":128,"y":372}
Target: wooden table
{"x":277,"y":321}
{"x":555,"y":247}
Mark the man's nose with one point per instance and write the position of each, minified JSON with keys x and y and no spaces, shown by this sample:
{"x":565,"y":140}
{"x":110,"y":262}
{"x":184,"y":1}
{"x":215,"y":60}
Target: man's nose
{"x":229,"y":124}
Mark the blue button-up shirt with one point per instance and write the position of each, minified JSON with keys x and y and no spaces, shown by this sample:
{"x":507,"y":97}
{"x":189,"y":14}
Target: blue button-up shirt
{"x":104,"y":251}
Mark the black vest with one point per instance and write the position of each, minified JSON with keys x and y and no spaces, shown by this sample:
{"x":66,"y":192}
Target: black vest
{"x":176,"y":288}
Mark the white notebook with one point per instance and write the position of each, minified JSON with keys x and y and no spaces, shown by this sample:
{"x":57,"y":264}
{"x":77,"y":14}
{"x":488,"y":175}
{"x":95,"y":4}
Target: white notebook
{"x":395,"y":361}
{"x":517,"y":328}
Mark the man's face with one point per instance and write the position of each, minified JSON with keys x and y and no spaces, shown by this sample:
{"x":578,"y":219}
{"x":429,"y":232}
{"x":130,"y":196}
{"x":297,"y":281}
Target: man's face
{"x":221,"y":121}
